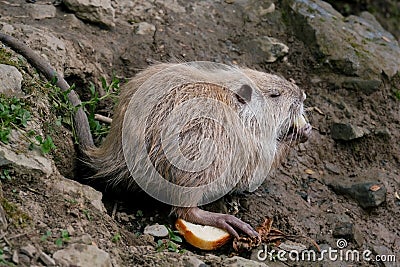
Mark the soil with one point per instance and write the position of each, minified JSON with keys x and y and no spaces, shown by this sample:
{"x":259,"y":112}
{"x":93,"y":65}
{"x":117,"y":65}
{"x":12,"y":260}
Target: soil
{"x":300,"y":203}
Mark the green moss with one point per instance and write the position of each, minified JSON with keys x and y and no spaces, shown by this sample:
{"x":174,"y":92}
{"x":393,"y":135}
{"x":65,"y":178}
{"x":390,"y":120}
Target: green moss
{"x":5,"y":58}
{"x":14,"y":214}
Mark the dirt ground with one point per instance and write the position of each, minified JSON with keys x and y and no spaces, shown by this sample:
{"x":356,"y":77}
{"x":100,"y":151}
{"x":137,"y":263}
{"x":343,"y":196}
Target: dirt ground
{"x":298,"y":195}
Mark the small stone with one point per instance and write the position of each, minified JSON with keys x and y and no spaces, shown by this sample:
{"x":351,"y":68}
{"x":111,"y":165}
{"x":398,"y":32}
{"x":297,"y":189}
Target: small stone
{"x":156,"y":230}
{"x":86,"y":239}
{"x":237,"y":261}
{"x":346,"y":131}
{"x":10,"y":80}
{"x":269,"y":49}
{"x":3,"y":217}
{"x":344,"y":230}
{"x":83,"y":255}
{"x":15,"y":257}
{"x":192,"y":261}
{"x":28,"y":250}
{"x":123,"y":217}
{"x":144,"y":28}
{"x":292,"y":246}
{"x":99,"y":11}
{"x":24,"y":260}
{"x":70,"y":230}
{"x":49,"y":261}
{"x":383,"y":250}
{"x":332,"y":168}
{"x":383,"y":133}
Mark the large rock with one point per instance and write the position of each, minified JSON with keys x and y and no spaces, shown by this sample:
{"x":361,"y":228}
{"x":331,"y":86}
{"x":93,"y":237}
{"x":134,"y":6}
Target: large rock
{"x":95,"y":11}
{"x":10,"y":80}
{"x":367,"y":192}
{"x":38,"y":11}
{"x":355,"y":46}
{"x":29,"y":162}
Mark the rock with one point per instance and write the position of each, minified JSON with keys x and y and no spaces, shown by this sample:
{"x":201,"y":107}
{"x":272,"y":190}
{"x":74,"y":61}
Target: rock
{"x":95,"y":11}
{"x":82,"y":255}
{"x":25,"y":163}
{"x":144,"y":28}
{"x":88,"y":193}
{"x":15,"y":257}
{"x":172,"y":5}
{"x":383,"y":133}
{"x":368,"y":194}
{"x":346,"y":131}
{"x":38,"y":11}
{"x":156,"y":230}
{"x":237,"y":261}
{"x":267,"y":49}
{"x":292,"y":246}
{"x":366,"y":86}
{"x":29,"y":250}
{"x":348,"y":231}
{"x":10,"y":81}
{"x":46,"y":259}
{"x":390,"y":261}
{"x":357,"y":46}
{"x":192,"y":261}
{"x":332,"y":168}
{"x":3,"y":218}
{"x":24,"y":260}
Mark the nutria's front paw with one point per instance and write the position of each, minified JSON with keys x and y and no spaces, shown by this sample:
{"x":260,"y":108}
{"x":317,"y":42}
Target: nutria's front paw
{"x":224,"y":221}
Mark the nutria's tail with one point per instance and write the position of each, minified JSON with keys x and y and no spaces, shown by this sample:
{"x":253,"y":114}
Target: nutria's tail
{"x":81,"y":122}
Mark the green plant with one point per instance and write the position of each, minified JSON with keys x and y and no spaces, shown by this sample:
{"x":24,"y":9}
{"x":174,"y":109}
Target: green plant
{"x":64,"y":237}
{"x":397,"y":94}
{"x":116,"y":238}
{"x":5,"y":174}
{"x":111,"y":90}
{"x":12,"y":116}
{"x":139,"y":213}
{"x":4,"y":262}
{"x":65,"y":110}
{"x":46,"y":235}
{"x":87,"y":214}
{"x":46,"y":145}
{"x":170,"y":243}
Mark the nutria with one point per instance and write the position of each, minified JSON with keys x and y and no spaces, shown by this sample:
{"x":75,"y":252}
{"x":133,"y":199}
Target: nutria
{"x":189,"y":133}
{"x":168,"y":110}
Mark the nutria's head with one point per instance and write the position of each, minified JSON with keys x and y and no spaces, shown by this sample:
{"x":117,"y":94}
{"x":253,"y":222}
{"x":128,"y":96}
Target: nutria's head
{"x":284,"y":101}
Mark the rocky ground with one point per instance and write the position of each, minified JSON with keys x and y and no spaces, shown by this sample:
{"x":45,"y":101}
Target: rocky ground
{"x":344,"y":183}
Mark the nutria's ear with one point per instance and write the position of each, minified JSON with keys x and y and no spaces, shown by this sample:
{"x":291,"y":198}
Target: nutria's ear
{"x":244,"y":94}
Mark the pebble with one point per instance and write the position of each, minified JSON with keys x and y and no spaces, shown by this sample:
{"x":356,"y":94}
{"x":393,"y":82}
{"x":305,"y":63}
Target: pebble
{"x":49,"y":261}
{"x":144,"y":28}
{"x":192,"y":261}
{"x":156,"y":230}
{"x":28,"y":250}
{"x":346,"y":131}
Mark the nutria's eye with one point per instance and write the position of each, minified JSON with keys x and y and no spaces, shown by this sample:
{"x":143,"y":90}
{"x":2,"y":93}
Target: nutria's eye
{"x":275,"y":94}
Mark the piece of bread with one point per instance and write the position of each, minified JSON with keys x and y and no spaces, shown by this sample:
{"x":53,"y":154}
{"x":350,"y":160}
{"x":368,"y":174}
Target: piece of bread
{"x":202,"y":236}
